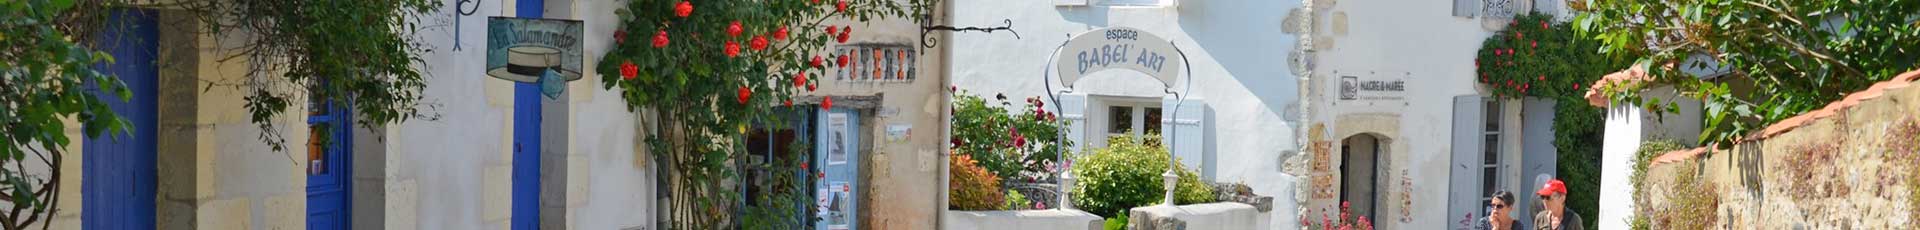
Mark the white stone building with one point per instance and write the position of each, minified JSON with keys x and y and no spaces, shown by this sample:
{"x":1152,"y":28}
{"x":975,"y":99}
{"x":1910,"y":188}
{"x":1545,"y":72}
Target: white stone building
{"x":1239,"y":122}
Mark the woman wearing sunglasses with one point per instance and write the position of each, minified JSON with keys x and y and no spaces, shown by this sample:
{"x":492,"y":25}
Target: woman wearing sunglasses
{"x":1501,"y":217}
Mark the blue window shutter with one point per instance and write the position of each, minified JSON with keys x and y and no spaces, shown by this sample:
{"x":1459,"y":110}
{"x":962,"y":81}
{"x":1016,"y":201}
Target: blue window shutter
{"x":1466,"y":8}
{"x":1463,"y":192}
{"x":1183,"y":128}
{"x":1540,"y":158}
{"x":1073,"y":109}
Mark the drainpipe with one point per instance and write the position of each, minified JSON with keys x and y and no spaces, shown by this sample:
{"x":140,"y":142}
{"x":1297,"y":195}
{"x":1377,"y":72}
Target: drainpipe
{"x":946,"y":126}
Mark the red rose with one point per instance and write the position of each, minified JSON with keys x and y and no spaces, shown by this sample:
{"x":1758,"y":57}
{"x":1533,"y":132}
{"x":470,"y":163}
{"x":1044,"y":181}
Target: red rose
{"x":1533,"y":43}
{"x":660,"y":39}
{"x":1518,"y":35}
{"x":620,"y":36}
{"x":826,"y":102}
{"x":683,"y":9}
{"x":789,"y":103}
{"x":745,"y":94}
{"x":803,"y":165}
{"x":816,"y":1}
{"x":843,"y":61}
{"x":1019,"y":141}
{"x":1543,"y":77}
{"x":628,"y":70}
{"x":733,"y":30}
{"x":758,"y":43}
{"x":780,"y":34}
{"x":843,"y":35}
{"x":732,"y":49}
{"x":831,"y":30}
{"x":1543,"y":25}
{"x":816,"y":61}
{"x":840,"y":6}
{"x":810,"y":87}
{"x":800,"y":80}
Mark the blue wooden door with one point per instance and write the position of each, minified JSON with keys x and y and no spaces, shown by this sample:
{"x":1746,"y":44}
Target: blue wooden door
{"x":329,"y":159}
{"x":526,"y":140}
{"x":118,"y":171}
{"x":837,"y":191}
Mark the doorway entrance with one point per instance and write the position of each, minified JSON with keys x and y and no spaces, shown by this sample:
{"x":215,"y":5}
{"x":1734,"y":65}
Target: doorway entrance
{"x":119,"y":168}
{"x":1359,"y":164}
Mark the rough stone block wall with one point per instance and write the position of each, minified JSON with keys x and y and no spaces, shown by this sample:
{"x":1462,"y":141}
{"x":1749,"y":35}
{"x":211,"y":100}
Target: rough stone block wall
{"x":1851,"y":166}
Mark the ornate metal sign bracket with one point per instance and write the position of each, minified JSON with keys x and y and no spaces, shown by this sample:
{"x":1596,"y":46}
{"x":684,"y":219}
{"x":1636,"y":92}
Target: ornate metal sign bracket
{"x":927,"y":27}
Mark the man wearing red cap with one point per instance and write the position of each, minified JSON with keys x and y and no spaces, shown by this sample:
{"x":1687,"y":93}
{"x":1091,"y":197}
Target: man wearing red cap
{"x":1556,"y":216}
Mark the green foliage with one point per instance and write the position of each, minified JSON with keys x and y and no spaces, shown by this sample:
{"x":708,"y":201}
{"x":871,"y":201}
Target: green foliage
{"x":785,"y":193}
{"x":1796,"y":55}
{"x":1006,"y":142}
{"x":363,"y":51}
{"x":1126,"y":174}
{"x":1536,"y":56}
{"x":1641,"y":159}
{"x":46,"y":76}
{"x":1691,"y":203}
{"x":1117,"y":222}
{"x":1016,"y":201}
{"x":704,"y":94}
{"x":971,"y":187}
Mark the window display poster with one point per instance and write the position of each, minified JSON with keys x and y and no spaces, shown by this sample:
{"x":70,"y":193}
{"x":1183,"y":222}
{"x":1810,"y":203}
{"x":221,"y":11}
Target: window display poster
{"x":837,"y":146}
{"x":839,"y":214}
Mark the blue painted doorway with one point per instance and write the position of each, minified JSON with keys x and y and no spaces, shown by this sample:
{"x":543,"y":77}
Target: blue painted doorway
{"x":118,"y":170}
{"x":837,"y":192}
{"x":329,"y":163}
{"x":526,"y":140}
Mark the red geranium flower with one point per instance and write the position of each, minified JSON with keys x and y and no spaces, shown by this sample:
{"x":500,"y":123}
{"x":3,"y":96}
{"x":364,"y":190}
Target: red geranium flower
{"x":660,"y":39}
{"x":628,"y":70}
{"x":733,"y":30}
{"x":745,"y":94}
{"x":732,"y":49}
{"x":683,"y":9}
{"x":758,"y":43}
{"x":800,"y":80}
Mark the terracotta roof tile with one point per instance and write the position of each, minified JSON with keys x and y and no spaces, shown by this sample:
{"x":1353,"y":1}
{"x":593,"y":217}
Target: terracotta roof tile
{"x":1599,"y":99}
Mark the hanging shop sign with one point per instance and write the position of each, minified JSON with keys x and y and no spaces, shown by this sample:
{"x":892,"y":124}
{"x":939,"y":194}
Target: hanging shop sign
{"x":534,"y":50}
{"x":1118,"y":48}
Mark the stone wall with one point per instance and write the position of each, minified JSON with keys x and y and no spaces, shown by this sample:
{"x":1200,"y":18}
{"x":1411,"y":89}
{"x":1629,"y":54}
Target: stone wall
{"x":1849,"y":166}
{"x":1021,"y":219}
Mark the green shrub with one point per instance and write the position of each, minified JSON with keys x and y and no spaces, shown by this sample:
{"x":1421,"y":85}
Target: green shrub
{"x":1017,"y":143}
{"x":1118,"y":222}
{"x":1126,"y":174}
{"x":971,"y":187}
{"x":1641,"y":159}
{"x":1015,"y":201}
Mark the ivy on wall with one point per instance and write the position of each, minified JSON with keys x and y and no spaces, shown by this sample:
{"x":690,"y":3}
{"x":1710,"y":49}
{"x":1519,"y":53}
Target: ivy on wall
{"x":1538,"y":57}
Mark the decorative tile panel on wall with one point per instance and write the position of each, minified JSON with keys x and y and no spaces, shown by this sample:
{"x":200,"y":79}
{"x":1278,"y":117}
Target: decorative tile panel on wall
{"x":877,"y":63}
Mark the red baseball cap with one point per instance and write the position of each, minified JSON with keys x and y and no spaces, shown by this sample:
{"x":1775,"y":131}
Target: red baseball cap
{"x":1553,"y":186}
